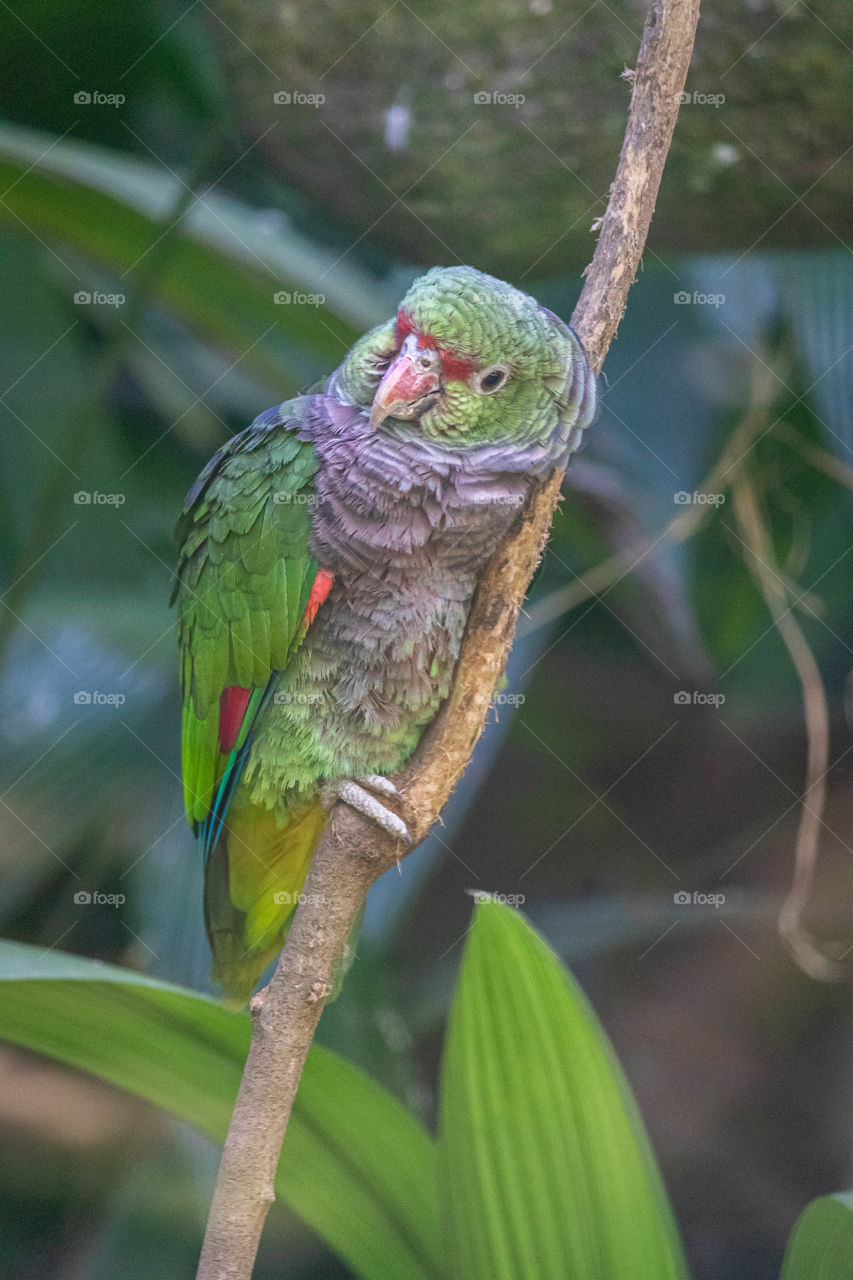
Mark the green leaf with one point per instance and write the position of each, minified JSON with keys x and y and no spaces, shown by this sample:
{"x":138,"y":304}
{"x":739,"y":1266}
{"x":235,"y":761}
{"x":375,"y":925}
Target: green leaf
{"x":355,"y":1165}
{"x":821,"y":1244}
{"x":109,"y":210}
{"x":545,"y":1169}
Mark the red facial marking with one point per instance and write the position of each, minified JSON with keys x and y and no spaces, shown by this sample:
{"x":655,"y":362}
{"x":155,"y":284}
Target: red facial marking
{"x":404,"y":326}
{"x":233,"y":702}
{"x":453,"y":366}
{"x":456,"y":367}
{"x":321,"y":588}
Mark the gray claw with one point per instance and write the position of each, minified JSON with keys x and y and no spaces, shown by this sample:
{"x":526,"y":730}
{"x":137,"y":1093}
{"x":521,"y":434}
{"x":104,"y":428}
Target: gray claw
{"x":377,"y":782}
{"x":363,"y":802}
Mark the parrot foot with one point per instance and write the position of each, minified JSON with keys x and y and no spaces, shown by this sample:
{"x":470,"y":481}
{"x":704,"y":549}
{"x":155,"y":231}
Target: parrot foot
{"x":360,"y":799}
{"x":376,"y":782}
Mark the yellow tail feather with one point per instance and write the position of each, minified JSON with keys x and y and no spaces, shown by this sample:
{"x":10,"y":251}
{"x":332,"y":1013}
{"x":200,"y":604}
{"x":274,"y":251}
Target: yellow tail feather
{"x":252,"y":885}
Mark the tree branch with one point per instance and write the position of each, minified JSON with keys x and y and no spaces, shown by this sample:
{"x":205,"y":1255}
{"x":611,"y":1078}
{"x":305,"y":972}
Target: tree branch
{"x":354,"y":851}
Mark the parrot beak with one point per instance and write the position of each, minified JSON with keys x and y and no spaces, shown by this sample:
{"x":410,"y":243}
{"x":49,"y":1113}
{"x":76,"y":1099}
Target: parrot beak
{"x":411,"y":385}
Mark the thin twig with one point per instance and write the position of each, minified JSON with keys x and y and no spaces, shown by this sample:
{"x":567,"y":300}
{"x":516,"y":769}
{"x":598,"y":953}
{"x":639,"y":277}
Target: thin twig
{"x":353,"y":852}
{"x":760,"y":561}
{"x":813,"y":454}
{"x":781,"y":596}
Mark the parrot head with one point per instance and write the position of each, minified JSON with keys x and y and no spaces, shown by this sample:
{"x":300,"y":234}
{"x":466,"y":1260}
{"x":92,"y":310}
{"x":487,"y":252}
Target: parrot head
{"x":470,"y":361}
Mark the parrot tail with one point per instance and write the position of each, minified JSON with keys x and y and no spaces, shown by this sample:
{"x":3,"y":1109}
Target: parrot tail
{"x":253,"y":878}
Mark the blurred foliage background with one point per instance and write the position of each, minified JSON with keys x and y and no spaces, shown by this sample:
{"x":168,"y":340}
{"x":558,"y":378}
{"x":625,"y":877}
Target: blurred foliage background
{"x":168,"y":171}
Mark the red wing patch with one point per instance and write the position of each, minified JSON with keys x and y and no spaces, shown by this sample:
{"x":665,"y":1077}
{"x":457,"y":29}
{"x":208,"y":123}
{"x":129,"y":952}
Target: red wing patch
{"x":233,"y":702}
{"x":321,"y":588}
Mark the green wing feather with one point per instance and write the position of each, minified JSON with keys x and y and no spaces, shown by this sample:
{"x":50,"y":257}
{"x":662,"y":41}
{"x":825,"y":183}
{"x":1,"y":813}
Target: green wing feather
{"x":245,"y":572}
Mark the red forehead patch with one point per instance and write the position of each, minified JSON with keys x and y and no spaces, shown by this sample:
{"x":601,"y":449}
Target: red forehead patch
{"x":405,"y":325}
{"x":452,"y":366}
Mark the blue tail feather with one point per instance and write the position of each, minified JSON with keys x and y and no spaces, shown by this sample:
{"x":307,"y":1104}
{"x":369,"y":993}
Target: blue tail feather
{"x":210,"y":829}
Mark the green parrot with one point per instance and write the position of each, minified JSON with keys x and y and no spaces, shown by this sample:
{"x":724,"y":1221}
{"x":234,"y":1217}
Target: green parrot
{"x":328,"y":557}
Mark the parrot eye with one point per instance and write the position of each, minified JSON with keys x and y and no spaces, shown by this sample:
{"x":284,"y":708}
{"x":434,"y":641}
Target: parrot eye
{"x":493,"y":379}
